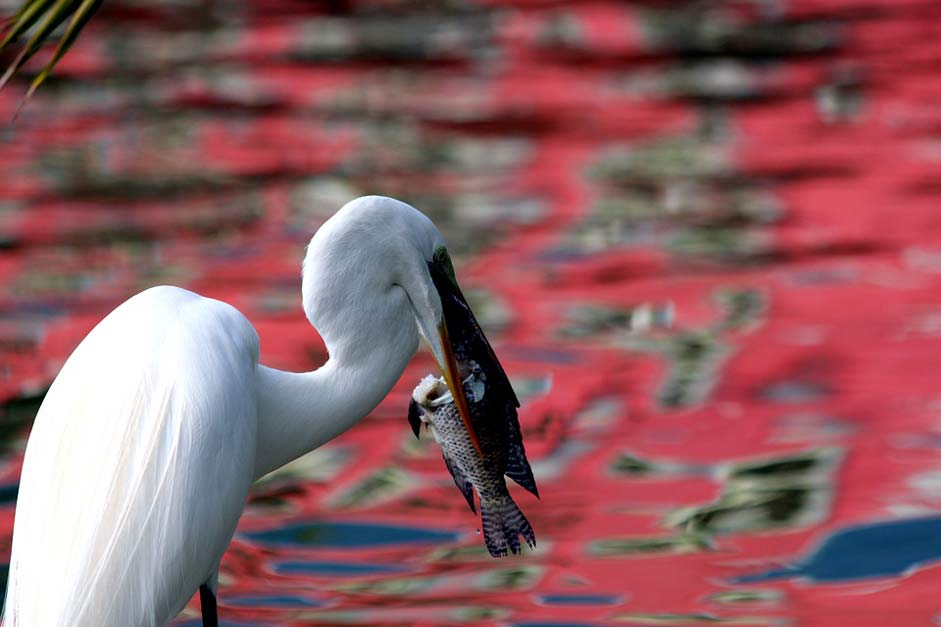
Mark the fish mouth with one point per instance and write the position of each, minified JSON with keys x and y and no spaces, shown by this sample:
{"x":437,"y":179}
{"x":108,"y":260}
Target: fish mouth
{"x":446,"y":397}
{"x":427,"y":395}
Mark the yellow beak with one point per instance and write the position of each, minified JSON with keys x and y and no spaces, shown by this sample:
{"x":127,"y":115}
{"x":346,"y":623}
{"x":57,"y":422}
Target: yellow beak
{"x":452,"y":377}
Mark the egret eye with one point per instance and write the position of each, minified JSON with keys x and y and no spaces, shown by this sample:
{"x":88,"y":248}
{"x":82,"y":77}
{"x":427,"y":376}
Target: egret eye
{"x":443,"y":260}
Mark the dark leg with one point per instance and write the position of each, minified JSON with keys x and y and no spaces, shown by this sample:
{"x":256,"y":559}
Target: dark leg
{"x":207,"y":602}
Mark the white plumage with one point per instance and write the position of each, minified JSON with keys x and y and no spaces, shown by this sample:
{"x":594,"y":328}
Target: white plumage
{"x":132,"y":483}
{"x":143,"y":451}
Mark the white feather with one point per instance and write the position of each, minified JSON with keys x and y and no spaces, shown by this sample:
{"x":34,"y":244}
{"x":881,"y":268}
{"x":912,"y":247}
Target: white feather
{"x":132,"y":454}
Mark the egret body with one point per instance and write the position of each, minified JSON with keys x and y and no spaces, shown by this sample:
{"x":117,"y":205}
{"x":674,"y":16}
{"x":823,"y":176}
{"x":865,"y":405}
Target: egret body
{"x":143,"y":451}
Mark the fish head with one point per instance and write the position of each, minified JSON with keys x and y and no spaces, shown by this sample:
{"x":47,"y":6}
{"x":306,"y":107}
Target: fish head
{"x":429,"y":390}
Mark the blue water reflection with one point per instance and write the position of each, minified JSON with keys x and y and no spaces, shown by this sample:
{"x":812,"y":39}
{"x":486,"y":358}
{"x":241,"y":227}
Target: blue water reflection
{"x":580,"y":599}
{"x":8,"y":493}
{"x":224,"y":623}
{"x":350,"y":535}
{"x":274,"y":601}
{"x":335,"y":568}
{"x":882,"y":549}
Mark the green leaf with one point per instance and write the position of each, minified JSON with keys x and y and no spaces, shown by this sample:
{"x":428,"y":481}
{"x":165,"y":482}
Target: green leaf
{"x":81,"y":17}
{"x":24,"y":18}
{"x":26,"y":6}
{"x":53,"y":17}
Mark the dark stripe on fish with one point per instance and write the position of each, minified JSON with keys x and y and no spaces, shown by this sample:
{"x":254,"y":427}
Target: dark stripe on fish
{"x":503,"y":523}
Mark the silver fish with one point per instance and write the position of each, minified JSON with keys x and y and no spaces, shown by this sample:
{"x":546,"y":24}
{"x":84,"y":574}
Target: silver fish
{"x":501,"y":454}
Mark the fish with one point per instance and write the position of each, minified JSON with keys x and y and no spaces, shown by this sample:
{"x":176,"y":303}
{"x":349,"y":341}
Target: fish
{"x":501,"y":450}
{"x":498,"y":412}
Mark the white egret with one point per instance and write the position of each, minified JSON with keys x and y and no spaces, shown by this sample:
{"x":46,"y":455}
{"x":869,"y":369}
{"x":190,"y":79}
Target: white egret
{"x":141,"y":456}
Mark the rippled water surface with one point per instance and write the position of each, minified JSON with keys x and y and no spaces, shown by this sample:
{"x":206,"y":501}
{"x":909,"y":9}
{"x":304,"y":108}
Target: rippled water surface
{"x":703,"y":238}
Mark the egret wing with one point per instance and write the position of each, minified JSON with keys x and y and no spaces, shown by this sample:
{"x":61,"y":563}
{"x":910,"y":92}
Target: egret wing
{"x":137,"y":467}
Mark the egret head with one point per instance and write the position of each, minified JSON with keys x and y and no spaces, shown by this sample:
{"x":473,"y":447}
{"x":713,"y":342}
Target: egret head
{"x":381,"y":264}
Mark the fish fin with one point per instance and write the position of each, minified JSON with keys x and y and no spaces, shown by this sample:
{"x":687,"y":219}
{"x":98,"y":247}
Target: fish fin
{"x":461,"y":481}
{"x":470,"y":337}
{"x":414,"y":417}
{"x":517,"y":466}
{"x":518,"y":470}
{"x":503,"y":523}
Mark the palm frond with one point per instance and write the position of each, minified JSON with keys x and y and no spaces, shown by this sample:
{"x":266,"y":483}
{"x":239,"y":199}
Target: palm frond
{"x":44,"y":16}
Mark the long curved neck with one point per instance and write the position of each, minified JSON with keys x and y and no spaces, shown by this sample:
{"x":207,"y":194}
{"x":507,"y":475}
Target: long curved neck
{"x":298,"y":412}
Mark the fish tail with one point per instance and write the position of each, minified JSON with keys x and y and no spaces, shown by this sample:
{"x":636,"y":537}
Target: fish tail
{"x":503,"y":523}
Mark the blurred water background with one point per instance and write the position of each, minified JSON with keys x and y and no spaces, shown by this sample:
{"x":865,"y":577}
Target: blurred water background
{"x":703,"y":237}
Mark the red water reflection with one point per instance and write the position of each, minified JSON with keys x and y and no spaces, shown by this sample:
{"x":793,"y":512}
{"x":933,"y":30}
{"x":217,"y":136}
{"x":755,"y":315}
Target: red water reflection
{"x":702,"y":237}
